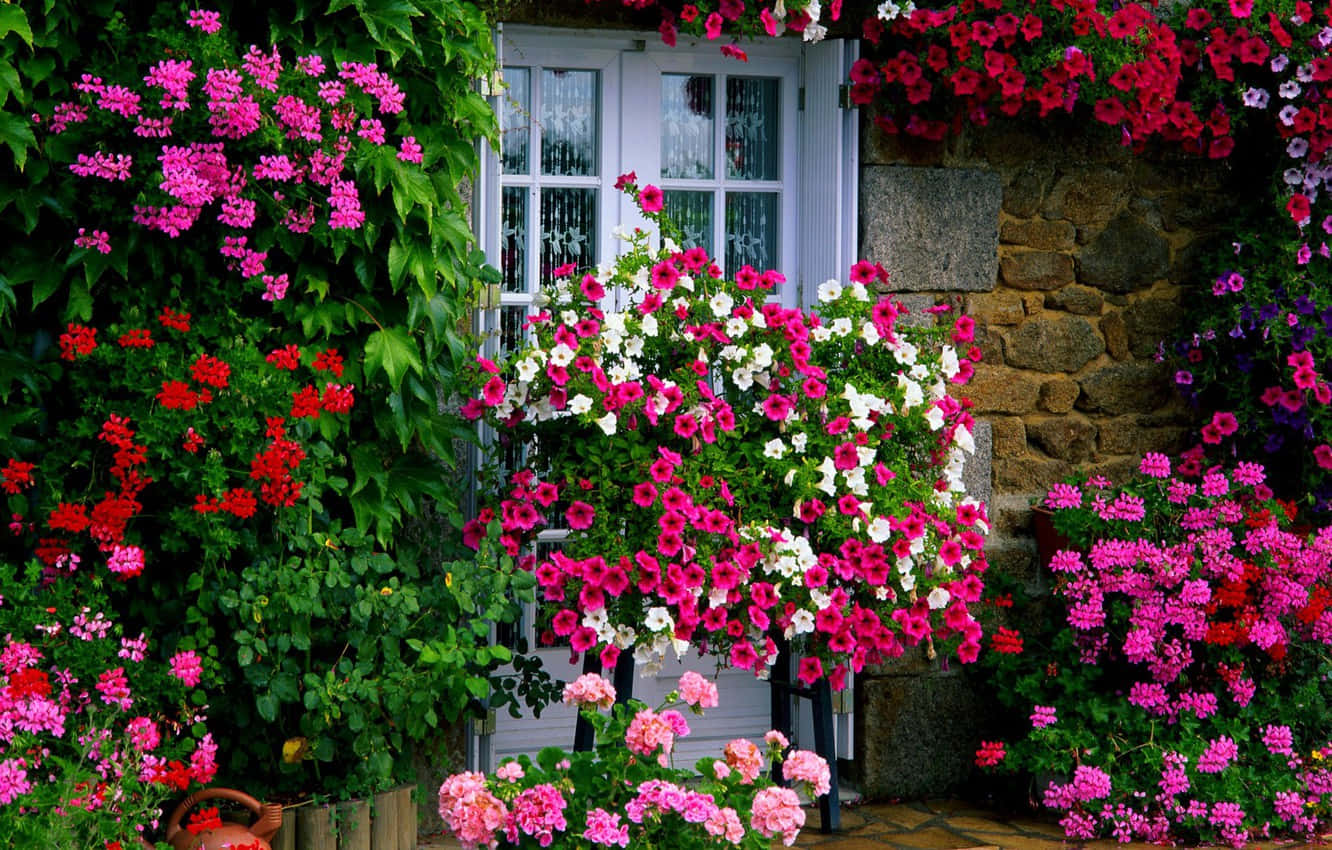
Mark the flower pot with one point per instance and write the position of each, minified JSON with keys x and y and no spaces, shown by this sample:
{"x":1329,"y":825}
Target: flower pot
{"x":386,"y":821}
{"x":1048,"y":540}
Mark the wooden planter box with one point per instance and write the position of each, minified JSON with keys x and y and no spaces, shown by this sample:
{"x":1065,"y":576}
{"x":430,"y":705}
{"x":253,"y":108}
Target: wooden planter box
{"x":386,"y":821}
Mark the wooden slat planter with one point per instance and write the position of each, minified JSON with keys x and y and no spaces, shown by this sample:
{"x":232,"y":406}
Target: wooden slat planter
{"x":385,"y":822}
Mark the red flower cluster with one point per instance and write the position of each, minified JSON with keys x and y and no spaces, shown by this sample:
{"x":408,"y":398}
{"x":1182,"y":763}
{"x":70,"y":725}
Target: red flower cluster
{"x":15,"y":476}
{"x":273,"y":466}
{"x":77,"y":341}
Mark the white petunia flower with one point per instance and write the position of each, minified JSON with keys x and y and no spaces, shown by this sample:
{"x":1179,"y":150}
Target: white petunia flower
{"x":829,"y":290}
{"x":774,"y":449}
{"x":528,"y":369}
{"x":607,"y":424}
{"x":880,"y":530}
{"x":658,"y":619}
{"x":580,"y":404}
{"x":561,"y":355}
{"x":721,"y":305}
{"x":913,"y":396}
{"x":938,"y":598}
{"x":935,"y":417}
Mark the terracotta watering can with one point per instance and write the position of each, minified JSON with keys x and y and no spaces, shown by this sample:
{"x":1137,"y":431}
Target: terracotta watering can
{"x":268,"y":818}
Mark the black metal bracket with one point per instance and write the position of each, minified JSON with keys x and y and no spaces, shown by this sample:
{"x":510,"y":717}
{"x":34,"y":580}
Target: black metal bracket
{"x":825,"y":743}
{"x":622,"y":679}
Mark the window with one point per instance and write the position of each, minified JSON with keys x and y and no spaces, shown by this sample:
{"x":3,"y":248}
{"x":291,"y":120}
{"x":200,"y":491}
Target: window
{"x":757,"y":163}
{"x":756,"y":159}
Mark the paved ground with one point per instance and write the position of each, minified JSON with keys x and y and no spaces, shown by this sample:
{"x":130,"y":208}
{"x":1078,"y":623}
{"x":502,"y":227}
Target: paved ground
{"x":931,"y":825}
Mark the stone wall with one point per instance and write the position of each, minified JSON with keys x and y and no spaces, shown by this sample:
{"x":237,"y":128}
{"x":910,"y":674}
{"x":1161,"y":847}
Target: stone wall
{"x":1074,"y":257}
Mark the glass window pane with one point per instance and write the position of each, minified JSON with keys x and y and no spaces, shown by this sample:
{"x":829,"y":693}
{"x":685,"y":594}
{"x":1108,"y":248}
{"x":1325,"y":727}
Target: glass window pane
{"x":752,"y":123}
{"x":513,"y":241}
{"x":686,"y":126}
{"x":517,"y":121}
{"x":692,"y":213}
{"x":569,"y":122}
{"x":751,"y":230}
{"x":568,"y":228}
{"x":512,"y":319}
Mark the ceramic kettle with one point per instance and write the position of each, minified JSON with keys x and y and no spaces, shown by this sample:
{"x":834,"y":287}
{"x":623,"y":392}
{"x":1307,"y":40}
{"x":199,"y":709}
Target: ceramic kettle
{"x":268,"y":818}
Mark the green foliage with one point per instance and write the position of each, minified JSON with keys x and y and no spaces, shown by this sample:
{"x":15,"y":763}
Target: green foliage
{"x":330,"y":620}
{"x":65,"y":738}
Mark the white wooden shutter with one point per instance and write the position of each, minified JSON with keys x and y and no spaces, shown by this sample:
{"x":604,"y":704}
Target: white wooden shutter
{"x":829,"y":167}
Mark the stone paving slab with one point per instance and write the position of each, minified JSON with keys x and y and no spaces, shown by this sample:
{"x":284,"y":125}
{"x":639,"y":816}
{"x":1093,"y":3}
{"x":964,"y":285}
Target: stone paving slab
{"x":932,"y":825}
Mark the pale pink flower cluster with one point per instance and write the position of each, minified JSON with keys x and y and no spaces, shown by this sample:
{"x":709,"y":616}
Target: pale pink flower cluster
{"x":510,"y":771}
{"x":776,"y":812}
{"x":744,"y":757}
{"x":805,"y":766}
{"x":725,"y":823}
{"x":590,"y":689}
{"x":649,"y":732}
{"x":698,"y":691}
{"x":472,"y":814}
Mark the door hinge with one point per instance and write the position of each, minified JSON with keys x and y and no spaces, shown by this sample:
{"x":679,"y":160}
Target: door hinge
{"x":844,"y":96}
{"x":484,"y":725}
{"x":489,"y":297}
{"x":800,"y":99}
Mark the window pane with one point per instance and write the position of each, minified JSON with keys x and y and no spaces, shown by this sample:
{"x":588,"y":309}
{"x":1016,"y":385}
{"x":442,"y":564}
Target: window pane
{"x":568,"y":228}
{"x":513,"y":242}
{"x":569,"y":122}
{"x":686,"y":126}
{"x":751,"y":230}
{"x":517,"y":121}
{"x":752,"y":123}
{"x":512,"y":319}
{"x":692,"y":213}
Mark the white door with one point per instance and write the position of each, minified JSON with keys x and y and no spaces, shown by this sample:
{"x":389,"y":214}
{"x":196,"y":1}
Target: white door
{"x":752,"y":168}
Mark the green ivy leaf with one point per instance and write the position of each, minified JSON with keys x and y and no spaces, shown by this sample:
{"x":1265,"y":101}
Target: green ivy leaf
{"x":16,"y":132}
{"x":395,"y":352}
{"x":14,"y":19}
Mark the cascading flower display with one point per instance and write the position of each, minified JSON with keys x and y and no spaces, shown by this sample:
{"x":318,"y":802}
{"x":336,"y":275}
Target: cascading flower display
{"x":253,"y":146}
{"x":95,"y":736}
{"x":628,"y":792}
{"x":166,"y":419}
{"x":1182,"y":693}
{"x":725,"y":469}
